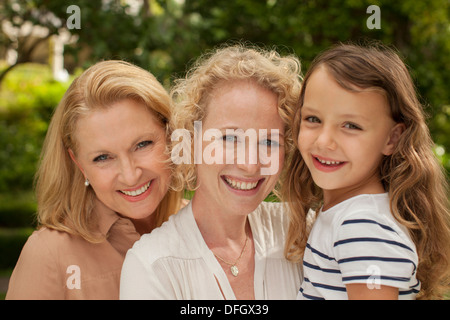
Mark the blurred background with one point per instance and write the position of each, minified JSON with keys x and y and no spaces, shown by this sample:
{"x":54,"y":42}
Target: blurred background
{"x":44,"y":44}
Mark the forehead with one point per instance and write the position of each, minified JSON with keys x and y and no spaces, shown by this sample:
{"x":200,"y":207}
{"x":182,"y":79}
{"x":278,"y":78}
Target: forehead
{"x":322,"y":90}
{"x":121,"y":122}
{"x":243,"y":104}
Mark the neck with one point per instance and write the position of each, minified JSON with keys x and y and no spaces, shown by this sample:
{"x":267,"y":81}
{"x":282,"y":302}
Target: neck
{"x":370,"y":186}
{"x":145,"y":225}
{"x":218,"y":226}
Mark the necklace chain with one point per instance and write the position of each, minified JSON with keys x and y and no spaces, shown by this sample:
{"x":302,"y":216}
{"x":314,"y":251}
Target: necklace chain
{"x":234,"y":269}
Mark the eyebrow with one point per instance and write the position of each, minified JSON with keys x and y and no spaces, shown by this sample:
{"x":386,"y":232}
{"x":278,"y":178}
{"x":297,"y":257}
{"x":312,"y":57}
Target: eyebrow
{"x":281,"y":134}
{"x":354,"y":116}
{"x":150,"y":135}
{"x":344,"y":115}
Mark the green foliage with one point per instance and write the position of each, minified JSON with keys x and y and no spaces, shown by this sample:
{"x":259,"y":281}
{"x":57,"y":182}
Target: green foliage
{"x":27,"y":100}
{"x":166,"y":36}
{"x":11,"y":244}
{"x":17,"y":210}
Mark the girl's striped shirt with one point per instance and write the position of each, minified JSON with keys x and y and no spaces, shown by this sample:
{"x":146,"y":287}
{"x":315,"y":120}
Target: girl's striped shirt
{"x":358,"y":241}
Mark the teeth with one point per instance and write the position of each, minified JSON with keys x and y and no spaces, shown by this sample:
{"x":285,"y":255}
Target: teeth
{"x":241,"y":185}
{"x":137,"y":192}
{"x":328,"y":162}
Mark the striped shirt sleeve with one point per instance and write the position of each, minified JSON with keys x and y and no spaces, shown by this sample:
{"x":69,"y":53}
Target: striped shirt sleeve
{"x":370,"y":251}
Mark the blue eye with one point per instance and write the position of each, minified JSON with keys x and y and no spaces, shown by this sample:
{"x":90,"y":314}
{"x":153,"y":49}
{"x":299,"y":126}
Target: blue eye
{"x":100,"y":158}
{"x":229,"y":138}
{"x":143,"y":144}
{"x":269,"y":143}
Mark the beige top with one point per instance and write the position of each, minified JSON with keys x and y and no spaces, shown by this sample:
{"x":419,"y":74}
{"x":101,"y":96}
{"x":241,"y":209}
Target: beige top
{"x":58,"y":265}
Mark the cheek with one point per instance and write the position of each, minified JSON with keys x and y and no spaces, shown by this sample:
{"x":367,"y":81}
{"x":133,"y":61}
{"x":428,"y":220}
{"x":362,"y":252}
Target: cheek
{"x":304,"y":140}
{"x":160,"y":169}
{"x":102,"y":182}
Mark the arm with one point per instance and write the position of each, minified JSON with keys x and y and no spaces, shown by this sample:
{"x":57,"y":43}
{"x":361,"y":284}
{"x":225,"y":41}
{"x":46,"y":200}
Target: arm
{"x":360,"y":291}
{"x":370,"y":248}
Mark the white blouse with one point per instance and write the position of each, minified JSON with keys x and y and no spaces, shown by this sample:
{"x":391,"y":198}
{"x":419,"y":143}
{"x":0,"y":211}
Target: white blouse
{"x":174,"y":262}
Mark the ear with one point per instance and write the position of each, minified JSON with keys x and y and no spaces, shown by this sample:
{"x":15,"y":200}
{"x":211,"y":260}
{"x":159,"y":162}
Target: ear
{"x":74,"y":159}
{"x":394,"y":137}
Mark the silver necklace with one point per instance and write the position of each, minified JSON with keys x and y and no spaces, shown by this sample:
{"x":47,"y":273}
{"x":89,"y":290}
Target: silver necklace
{"x":234,"y":269}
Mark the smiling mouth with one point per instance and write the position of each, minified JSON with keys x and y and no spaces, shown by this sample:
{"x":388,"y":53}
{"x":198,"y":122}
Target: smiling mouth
{"x":241,"y":185}
{"x":137,"y":192}
{"x":329,"y":162}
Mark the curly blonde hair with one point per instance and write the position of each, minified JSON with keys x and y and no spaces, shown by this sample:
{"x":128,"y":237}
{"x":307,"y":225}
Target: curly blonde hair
{"x":412,"y":176}
{"x":280,"y":75}
{"x":64,"y":203}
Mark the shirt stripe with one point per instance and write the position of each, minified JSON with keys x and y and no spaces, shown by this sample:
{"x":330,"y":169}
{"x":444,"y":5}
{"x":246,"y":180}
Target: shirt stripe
{"x":320,"y":254}
{"x":366,"y":277}
{"x":313,"y":266}
{"x":326,"y":286}
{"x":352,"y":221}
{"x":365,"y":239}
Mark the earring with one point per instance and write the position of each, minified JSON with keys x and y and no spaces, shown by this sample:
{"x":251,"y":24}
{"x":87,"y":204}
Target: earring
{"x":86,"y":182}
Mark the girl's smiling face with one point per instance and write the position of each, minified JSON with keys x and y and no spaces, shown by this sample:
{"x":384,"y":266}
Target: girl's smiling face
{"x":343,"y":137}
{"x":121,"y":150}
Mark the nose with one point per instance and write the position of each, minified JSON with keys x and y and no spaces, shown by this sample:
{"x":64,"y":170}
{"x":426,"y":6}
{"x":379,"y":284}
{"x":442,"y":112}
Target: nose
{"x":130,"y":173}
{"x":326,"y":138}
{"x":251,"y":164}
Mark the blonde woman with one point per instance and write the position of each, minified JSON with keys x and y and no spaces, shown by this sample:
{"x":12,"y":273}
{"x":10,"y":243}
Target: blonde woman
{"x":228,"y":243}
{"x":103,"y":181}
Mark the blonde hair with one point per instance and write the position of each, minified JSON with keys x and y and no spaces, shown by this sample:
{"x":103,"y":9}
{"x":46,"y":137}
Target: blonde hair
{"x":64,"y":203}
{"x":280,"y":75}
{"x":416,"y":183}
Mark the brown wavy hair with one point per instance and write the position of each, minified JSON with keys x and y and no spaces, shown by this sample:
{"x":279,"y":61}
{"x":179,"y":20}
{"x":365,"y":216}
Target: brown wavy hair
{"x":414,"y":179}
{"x":64,"y":203}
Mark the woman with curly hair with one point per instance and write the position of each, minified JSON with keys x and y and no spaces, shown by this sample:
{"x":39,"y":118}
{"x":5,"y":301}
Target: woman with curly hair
{"x":227,"y":243}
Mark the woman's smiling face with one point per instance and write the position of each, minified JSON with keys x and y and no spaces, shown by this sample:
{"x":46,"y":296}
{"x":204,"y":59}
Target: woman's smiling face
{"x":121,"y":150}
{"x":236,"y":108}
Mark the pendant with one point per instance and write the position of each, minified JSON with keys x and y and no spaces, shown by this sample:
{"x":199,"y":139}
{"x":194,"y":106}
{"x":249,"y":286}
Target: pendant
{"x":234,"y":271}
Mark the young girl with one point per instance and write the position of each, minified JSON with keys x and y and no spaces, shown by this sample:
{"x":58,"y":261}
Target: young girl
{"x":365,"y":165}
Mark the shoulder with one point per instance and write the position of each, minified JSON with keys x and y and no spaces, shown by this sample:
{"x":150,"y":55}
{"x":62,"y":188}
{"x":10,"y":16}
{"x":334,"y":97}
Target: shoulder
{"x":48,"y":241}
{"x":362,"y":203}
{"x":38,"y":272}
{"x":368,"y":239}
{"x":271,"y":211}
{"x":47,"y":248}
{"x":169,"y":240}
{"x":368,"y":225}
{"x":370,"y":211}
{"x":270,"y":223}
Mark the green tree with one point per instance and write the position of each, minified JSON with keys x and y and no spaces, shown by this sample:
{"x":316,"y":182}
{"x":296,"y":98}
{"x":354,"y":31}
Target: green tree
{"x":165,"y":36}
